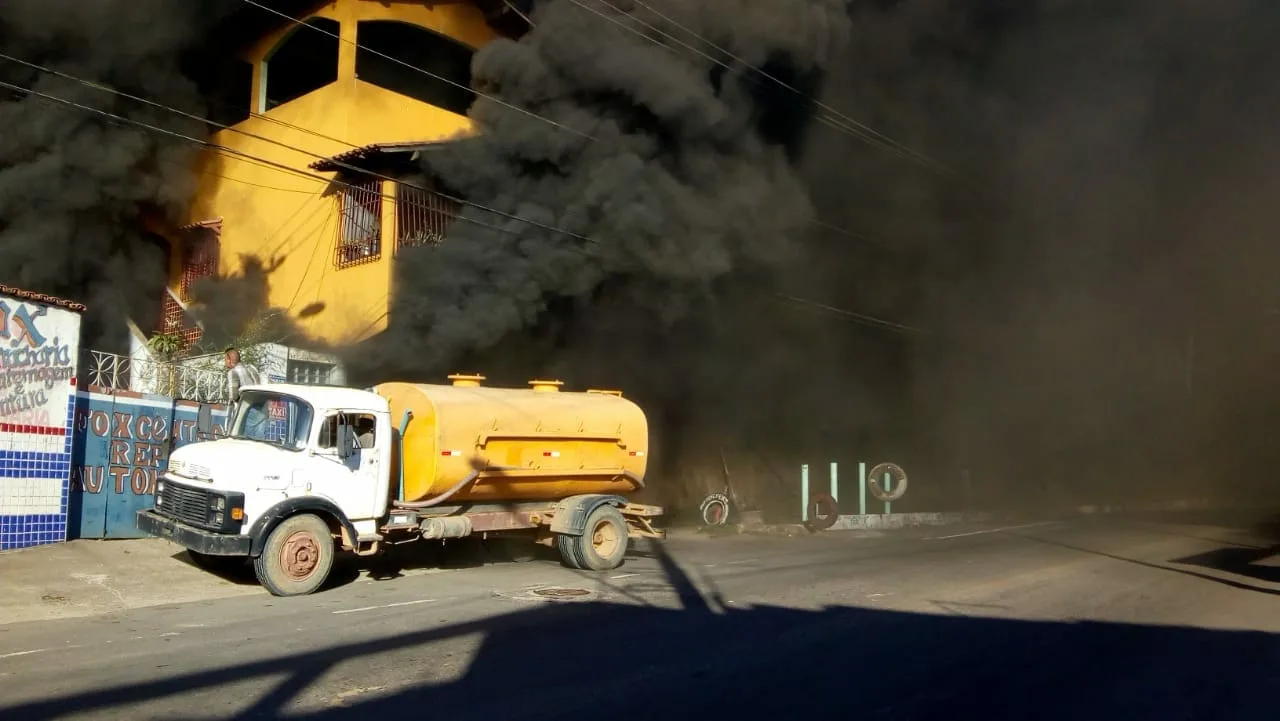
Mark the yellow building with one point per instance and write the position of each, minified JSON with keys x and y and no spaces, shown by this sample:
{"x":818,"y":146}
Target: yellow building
{"x":366,"y":83}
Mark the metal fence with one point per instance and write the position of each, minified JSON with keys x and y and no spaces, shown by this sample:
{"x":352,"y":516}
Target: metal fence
{"x":183,"y":382}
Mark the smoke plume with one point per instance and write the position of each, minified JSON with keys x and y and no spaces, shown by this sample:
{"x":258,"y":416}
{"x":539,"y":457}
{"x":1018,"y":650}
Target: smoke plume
{"x":1100,"y":287}
{"x":1088,"y":267}
{"x":666,"y":197}
{"x":76,"y":189}
{"x":672,"y":188}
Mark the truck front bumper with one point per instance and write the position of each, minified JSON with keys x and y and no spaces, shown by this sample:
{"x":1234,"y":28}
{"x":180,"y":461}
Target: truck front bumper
{"x":195,"y":539}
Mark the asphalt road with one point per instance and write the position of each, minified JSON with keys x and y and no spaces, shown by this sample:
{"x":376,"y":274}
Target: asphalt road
{"x":1088,"y":621}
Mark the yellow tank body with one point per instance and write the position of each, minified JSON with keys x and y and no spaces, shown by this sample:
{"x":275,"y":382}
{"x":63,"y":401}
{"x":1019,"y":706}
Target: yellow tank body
{"x":538,"y":443}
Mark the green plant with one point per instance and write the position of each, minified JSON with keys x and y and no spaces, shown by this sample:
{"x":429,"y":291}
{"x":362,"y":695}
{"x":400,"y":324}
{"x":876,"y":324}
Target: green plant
{"x":165,"y":346}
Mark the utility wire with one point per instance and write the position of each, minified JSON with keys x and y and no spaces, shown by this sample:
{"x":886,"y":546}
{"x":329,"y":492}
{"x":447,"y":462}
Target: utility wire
{"x":852,"y":315}
{"x":415,"y":68}
{"x":294,"y":148}
{"x":861,"y":128}
{"x":868,"y":136}
{"x":231,"y":151}
{"x":834,"y":118}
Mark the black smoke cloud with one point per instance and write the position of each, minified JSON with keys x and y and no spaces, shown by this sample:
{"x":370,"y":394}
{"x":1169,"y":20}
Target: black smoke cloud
{"x":674,"y":189}
{"x":673,"y":222}
{"x":76,"y":189}
{"x":1095,"y":288}
{"x":1099,"y":291}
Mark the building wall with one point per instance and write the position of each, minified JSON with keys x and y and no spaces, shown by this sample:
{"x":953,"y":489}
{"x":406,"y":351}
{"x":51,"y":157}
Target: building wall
{"x":120,"y":445}
{"x":290,"y":222}
{"x":39,"y":349}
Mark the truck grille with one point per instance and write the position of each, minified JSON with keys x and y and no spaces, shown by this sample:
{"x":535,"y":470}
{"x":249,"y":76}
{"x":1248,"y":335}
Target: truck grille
{"x":189,"y":505}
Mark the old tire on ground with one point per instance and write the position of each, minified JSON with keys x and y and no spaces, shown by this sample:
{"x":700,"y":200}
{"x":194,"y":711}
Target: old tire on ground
{"x":716,"y":510}
{"x":216,"y":564}
{"x":602,"y":545}
{"x":297,"y":556}
{"x":823,"y":513}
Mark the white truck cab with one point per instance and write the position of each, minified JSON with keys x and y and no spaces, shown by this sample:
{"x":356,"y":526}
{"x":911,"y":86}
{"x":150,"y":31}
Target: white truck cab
{"x":288,"y":448}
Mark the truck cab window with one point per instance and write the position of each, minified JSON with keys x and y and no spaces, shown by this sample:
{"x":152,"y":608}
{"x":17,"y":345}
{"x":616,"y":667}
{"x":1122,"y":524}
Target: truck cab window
{"x":273,"y":418}
{"x":363,"y":426}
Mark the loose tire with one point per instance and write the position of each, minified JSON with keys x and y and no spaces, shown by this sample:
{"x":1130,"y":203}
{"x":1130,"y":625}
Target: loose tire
{"x":823,"y":513}
{"x":216,"y":564}
{"x":297,"y":557}
{"x":716,"y":510}
{"x":602,"y":545}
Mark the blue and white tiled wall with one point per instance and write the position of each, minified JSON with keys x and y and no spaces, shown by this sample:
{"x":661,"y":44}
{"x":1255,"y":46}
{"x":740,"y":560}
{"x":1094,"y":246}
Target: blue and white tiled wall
{"x":35,"y":477}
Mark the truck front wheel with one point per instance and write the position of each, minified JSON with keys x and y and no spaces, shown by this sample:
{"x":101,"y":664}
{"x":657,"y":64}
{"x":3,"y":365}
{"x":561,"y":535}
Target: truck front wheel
{"x":602,"y":545}
{"x":297,"y":556}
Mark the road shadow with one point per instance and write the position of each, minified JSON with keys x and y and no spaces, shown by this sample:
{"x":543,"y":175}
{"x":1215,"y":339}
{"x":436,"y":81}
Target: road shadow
{"x":1239,"y":561}
{"x":708,"y":659}
{"x":1236,"y":560}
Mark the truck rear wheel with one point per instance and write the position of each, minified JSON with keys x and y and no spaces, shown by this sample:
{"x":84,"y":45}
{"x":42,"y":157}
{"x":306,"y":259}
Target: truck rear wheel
{"x":602,"y":545}
{"x":297,"y":556}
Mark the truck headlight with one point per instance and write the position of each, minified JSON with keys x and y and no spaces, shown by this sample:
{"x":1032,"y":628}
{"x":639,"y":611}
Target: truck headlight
{"x":219,"y":504}
{"x":159,"y":486}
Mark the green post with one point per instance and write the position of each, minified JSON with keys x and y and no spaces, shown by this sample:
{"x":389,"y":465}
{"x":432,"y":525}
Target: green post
{"x":862,"y":488}
{"x":888,"y":480}
{"x":804,"y":493}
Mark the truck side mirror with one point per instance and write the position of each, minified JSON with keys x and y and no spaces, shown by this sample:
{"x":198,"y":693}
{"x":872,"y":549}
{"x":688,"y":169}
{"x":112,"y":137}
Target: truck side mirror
{"x":346,"y":441}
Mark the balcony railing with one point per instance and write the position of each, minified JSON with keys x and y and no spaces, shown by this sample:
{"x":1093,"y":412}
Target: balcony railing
{"x":177,"y":380}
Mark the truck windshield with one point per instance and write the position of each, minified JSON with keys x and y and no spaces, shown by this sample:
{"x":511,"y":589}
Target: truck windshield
{"x":273,"y":418}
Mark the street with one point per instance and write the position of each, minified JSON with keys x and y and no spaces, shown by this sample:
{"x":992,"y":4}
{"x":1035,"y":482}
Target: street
{"x":1084,"y":619}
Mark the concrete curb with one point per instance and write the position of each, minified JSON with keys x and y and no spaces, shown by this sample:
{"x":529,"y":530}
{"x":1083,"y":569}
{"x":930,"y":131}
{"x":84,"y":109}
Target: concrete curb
{"x":887,"y":521}
{"x":868,"y":522}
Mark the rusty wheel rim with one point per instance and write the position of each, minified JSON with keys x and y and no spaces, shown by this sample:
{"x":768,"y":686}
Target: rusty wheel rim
{"x":301,"y":555}
{"x":604,"y":539}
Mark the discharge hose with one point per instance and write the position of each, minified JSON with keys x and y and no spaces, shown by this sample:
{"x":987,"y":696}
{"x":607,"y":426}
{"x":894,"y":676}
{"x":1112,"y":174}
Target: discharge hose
{"x":478,"y":465}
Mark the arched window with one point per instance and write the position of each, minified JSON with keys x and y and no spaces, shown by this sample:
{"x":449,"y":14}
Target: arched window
{"x":303,"y":62}
{"x":415,"y":47}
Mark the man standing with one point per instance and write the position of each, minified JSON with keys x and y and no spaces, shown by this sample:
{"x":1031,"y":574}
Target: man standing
{"x":239,"y":375}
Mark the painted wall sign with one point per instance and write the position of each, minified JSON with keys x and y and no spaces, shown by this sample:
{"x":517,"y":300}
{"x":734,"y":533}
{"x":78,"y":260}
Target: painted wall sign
{"x":121,"y":446}
{"x":39,"y":347}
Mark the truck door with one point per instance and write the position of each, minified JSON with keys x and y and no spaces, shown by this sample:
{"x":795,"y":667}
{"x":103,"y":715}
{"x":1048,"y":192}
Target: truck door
{"x":352,"y":483}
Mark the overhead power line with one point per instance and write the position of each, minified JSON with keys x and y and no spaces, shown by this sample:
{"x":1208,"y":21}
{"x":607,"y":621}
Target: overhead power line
{"x":851,"y":127}
{"x":224,"y":149}
{"x":850,"y":315}
{"x":294,"y":148}
{"x":280,"y":167}
{"x":833,"y":118}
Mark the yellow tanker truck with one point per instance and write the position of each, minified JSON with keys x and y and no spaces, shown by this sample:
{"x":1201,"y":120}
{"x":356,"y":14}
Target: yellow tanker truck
{"x":304,"y":472}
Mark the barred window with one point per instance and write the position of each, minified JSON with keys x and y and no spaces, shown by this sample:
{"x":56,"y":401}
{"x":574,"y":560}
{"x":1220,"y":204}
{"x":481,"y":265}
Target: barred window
{"x":422,"y":217}
{"x":360,"y":223}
